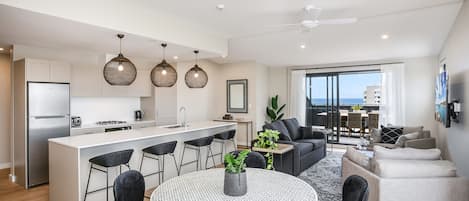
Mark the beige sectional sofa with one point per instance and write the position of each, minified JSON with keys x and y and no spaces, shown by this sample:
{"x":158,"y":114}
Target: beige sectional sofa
{"x":408,"y":179}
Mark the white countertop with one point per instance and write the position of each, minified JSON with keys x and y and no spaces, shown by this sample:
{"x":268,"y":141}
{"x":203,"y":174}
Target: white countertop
{"x":128,"y":123}
{"x":99,"y":139}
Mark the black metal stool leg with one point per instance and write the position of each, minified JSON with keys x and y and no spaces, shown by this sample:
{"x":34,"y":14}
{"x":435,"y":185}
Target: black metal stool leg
{"x":162,"y":170}
{"x":175,"y":162}
{"x":141,"y":162}
{"x":107,"y":184}
{"x":159,"y":171}
{"x":88,"y":183}
{"x":182,"y":159}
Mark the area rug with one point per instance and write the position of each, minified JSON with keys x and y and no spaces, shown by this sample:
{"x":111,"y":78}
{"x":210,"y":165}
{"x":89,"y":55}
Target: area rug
{"x":325,"y":177}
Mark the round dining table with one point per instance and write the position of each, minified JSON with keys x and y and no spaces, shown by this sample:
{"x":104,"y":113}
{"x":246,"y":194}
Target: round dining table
{"x":207,"y":185}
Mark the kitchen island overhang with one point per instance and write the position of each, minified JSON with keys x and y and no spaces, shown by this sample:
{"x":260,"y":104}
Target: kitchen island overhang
{"x":68,"y":156}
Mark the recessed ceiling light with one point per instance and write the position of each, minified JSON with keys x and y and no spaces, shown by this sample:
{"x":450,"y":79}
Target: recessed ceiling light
{"x":302,"y":46}
{"x":175,"y":57}
{"x":384,"y":36}
{"x":221,"y":6}
{"x":1,"y":49}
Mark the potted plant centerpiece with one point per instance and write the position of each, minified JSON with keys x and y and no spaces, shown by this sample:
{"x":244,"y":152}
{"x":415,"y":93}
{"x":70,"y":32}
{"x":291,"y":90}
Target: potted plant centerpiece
{"x":357,"y":108}
{"x":268,"y":140}
{"x":235,"y":174}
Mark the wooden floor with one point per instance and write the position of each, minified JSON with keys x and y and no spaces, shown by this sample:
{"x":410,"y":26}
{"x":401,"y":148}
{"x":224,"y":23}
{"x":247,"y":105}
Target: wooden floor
{"x":10,"y":191}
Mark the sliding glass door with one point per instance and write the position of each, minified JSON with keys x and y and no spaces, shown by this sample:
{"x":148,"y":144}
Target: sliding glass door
{"x":322,"y":105}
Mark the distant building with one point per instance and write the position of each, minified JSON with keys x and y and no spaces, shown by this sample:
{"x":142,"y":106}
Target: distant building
{"x":372,"y":95}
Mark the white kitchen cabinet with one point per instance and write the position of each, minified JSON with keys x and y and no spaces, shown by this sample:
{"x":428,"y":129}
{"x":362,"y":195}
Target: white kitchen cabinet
{"x":86,"y":81}
{"x":141,"y":87}
{"x":60,"y":71}
{"x":37,"y":70}
{"x":47,"y":71}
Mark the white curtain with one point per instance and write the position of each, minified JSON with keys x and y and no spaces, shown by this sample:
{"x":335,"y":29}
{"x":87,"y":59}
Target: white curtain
{"x":392,"y":102}
{"x":297,"y":100}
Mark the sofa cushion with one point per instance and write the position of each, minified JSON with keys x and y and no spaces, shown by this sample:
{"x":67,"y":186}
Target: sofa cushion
{"x":280,"y":127}
{"x":414,"y":168}
{"x":304,"y":148}
{"x":358,"y":157}
{"x":390,"y":134}
{"x":406,"y":153}
{"x":317,"y":143}
{"x":408,"y":129}
{"x":293,"y":128}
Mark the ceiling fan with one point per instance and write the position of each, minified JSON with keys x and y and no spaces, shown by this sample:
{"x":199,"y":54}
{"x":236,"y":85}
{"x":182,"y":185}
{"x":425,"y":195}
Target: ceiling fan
{"x":311,"y":19}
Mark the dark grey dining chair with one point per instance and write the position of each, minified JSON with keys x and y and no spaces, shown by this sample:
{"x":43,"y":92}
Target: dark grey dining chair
{"x":355,"y":189}
{"x":129,"y":186}
{"x":254,"y":160}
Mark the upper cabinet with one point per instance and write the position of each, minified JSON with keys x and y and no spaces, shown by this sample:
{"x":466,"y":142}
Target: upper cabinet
{"x":47,"y":71}
{"x":86,"y":80}
{"x":141,"y":87}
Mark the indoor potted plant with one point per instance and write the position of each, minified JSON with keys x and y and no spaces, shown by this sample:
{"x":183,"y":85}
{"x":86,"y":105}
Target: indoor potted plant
{"x":268,"y":140}
{"x":235,"y":174}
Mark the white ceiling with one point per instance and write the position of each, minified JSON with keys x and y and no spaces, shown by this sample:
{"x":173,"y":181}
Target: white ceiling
{"x":23,"y":27}
{"x":416,"y":28}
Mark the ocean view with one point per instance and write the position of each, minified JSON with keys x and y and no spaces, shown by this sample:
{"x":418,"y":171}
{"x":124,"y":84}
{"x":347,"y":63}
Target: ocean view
{"x":343,"y":101}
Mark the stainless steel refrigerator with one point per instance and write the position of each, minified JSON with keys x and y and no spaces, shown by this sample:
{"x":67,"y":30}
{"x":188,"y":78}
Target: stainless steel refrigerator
{"x":48,"y":117}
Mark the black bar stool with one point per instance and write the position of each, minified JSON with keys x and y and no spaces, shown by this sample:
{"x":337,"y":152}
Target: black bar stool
{"x":196,"y":145}
{"x":157,"y":152}
{"x":222,"y":138}
{"x":107,"y":161}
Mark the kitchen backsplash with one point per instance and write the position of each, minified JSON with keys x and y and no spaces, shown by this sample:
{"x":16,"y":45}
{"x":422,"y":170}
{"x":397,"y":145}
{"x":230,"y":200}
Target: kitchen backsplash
{"x":93,"y":109}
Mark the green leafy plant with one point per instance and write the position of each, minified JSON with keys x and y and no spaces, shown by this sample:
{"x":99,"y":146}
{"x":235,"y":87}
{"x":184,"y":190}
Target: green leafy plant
{"x":236,"y":164}
{"x":274,"y":112}
{"x":357,"y":107}
{"x":268,"y":140}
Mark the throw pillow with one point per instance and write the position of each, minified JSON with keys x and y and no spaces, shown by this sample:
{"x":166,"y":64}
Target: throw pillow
{"x":403,"y":138}
{"x":390,"y":134}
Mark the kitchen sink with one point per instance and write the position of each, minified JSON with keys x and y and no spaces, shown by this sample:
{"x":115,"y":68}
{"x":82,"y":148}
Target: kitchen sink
{"x":175,"y":126}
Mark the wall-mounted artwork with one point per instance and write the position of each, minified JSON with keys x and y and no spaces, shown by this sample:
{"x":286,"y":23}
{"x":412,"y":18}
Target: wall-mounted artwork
{"x":441,"y":97}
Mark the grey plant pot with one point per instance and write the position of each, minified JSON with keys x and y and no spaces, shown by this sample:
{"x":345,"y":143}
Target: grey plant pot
{"x":235,"y":184}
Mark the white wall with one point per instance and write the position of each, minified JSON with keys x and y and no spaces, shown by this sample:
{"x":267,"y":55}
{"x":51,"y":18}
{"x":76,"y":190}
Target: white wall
{"x":200,"y":103}
{"x":420,"y":92}
{"x":93,"y":109}
{"x":278,"y":84}
{"x":5,"y":110}
{"x":455,"y":140}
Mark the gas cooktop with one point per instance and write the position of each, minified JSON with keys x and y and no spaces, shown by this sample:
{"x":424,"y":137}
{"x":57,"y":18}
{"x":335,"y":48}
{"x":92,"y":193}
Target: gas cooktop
{"x":104,"y":123}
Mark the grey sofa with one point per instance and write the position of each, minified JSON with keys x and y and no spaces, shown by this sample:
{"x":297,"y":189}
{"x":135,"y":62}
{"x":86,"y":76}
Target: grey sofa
{"x":309,"y":146}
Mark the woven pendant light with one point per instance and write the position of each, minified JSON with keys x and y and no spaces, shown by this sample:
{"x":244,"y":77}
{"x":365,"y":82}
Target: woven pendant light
{"x":196,"y":77}
{"x":120,"y":71}
{"x":163,"y":74}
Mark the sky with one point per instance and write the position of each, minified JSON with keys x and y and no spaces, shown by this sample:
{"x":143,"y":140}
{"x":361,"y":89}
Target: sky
{"x":351,"y":85}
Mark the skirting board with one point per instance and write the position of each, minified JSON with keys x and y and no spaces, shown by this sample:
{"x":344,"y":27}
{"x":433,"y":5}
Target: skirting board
{"x":4,"y":165}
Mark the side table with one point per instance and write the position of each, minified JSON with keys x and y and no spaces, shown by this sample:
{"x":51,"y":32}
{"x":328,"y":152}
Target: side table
{"x":280,"y":150}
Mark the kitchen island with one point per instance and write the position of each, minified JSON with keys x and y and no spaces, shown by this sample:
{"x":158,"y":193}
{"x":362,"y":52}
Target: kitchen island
{"x":69,"y":166}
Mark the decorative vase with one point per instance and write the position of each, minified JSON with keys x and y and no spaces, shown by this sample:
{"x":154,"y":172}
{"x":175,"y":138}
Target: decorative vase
{"x":235,"y":184}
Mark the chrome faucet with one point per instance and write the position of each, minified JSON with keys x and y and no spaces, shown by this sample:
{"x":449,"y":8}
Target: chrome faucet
{"x":183,"y":123}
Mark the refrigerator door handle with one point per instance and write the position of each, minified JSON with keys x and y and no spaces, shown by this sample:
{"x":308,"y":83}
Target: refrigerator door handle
{"x":50,"y":117}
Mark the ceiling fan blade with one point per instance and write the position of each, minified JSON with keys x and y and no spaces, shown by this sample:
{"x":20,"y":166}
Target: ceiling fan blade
{"x":338,"y":21}
{"x":283,"y":25}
